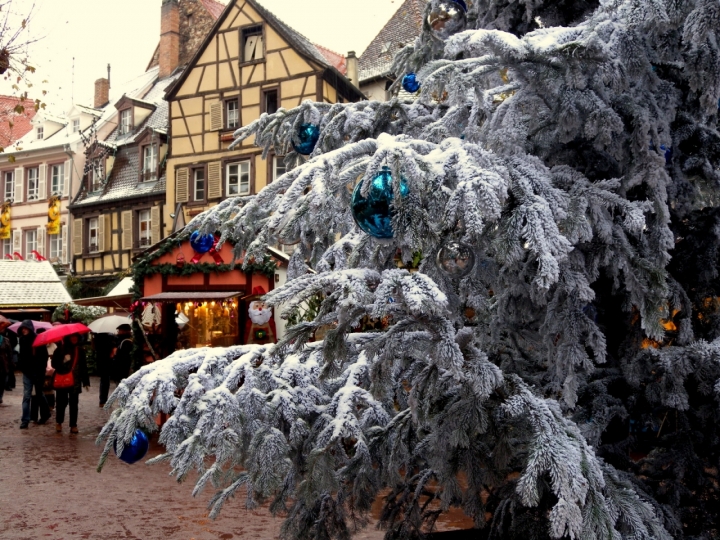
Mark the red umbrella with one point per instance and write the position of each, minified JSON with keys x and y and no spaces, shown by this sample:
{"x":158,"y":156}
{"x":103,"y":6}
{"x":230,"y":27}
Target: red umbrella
{"x":56,"y":333}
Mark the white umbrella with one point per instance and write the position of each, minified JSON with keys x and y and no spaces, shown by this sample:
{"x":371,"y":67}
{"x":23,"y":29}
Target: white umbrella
{"x":108,"y":324}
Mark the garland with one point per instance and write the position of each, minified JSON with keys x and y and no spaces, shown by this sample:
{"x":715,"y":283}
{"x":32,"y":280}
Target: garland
{"x":83,"y":314}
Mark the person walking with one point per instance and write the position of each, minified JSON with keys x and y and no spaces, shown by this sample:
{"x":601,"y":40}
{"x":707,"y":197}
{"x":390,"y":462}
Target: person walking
{"x":32,"y":363}
{"x":69,"y":357}
{"x":5,"y":356}
{"x":123,"y":353}
{"x":104,"y":344}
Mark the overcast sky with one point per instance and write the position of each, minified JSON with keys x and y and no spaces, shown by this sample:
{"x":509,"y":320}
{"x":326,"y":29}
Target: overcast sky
{"x":124,"y":33}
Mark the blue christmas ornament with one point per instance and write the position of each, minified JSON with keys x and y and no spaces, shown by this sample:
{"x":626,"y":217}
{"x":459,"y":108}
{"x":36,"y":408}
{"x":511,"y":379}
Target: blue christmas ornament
{"x":410,"y":83}
{"x":135,"y":449}
{"x":307,"y":137}
{"x":202,"y":243}
{"x":373,"y":214}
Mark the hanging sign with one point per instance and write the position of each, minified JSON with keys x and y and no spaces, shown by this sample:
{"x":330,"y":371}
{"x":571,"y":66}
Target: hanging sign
{"x":53,"y":226}
{"x":5,"y":229}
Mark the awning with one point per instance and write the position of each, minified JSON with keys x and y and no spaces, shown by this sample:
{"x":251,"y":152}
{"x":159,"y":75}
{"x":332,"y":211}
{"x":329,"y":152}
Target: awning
{"x":195,"y":296}
{"x":119,"y":301}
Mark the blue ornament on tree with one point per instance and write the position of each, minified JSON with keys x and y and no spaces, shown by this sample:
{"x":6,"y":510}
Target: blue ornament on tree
{"x":201,"y":243}
{"x":410,"y":83}
{"x":135,"y":449}
{"x":373,"y":214}
{"x":307,"y":137}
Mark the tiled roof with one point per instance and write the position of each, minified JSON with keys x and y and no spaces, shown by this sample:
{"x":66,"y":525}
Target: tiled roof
{"x":24,"y":284}
{"x":402,"y":28}
{"x":124,"y":180}
{"x":20,"y":121}
{"x":336,"y":60}
{"x":213,"y":8}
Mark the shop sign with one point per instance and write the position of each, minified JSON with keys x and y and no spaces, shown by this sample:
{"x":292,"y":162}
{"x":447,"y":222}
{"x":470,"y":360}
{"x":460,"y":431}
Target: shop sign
{"x":53,"y":226}
{"x":5,"y":225}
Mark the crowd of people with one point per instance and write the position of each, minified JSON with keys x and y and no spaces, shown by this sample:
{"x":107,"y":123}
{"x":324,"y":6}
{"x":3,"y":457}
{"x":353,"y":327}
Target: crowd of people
{"x":54,"y":375}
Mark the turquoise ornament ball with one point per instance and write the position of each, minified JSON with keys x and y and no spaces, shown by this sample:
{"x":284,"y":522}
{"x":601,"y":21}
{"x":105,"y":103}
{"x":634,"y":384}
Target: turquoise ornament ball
{"x":373,"y":214}
{"x":306,"y":139}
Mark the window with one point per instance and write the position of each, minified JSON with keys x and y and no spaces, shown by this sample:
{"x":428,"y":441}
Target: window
{"x":7,"y":248}
{"x":33,"y":189}
{"x":57,"y":179}
{"x":40,"y":133}
{"x":76,"y":125}
{"x":232,"y":113}
{"x":93,"y":236}
{"x":238,"y":178}
{"x":198,"y":180}
{"x":150,"y":159}
{"x":278,"y":167}
{"x":56,"y":247}
{"x":253,"y":48}
{"x":9,"y":178}
{"x":125,"y":121}
{"x":30,"y":242}
{"x":270,"y":101}
{"x":98,"y":174}
{"x":144,"y":228}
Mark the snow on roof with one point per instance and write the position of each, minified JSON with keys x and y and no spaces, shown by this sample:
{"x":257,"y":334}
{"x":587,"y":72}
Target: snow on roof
{"x":402,"y":28}
{"x":124,"y":287}
{"x":25,"y":283}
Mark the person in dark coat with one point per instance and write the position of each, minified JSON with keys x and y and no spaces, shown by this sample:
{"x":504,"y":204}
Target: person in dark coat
{"x":5,"y":355}
{"x":123,"y":353}
{"x":32,"y":363}
{"x":104,"y":344}
{"x":70,"y":356}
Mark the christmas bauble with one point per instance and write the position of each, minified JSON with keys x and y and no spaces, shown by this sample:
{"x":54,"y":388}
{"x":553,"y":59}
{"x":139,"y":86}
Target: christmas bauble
{"x":201,"y":243}
{"x":136,"y":448}
{"x":373,"y":214}
{"x":306,"y":138}
{"x":447,"y":17}
{"x":410,"y":83}
{"x":455,"y":259}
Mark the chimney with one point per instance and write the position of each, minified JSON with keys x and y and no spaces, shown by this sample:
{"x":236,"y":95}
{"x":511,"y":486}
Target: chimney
{"x":102,"y":93}
{"x":169,"y":37}
{"x":352,"y":68}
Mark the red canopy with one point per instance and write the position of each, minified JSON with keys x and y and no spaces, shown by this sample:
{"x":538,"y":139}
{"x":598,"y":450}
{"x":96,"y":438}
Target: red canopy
{"x":56,"y":333}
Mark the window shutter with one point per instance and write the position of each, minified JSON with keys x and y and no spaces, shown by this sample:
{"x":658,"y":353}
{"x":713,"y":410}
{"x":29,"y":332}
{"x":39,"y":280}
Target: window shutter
{"x":182,"y":185}
{"x":101,"y":233}
{"x":17,"y":240}
{"x":127,"y":232}
{"x":41,"y":241}
{"x":64,"y":248}
{"x":77,"y":236}
{"x":19,"y":184}
{"x":66,"y":178}
{"x":216,"y":115}
{"x":214,"y":180}
{"x":42,"y":182}
{"x":155,"y":224}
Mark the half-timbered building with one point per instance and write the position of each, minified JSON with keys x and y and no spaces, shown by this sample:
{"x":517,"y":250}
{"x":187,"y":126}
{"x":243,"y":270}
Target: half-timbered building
{"x":250,"y":63}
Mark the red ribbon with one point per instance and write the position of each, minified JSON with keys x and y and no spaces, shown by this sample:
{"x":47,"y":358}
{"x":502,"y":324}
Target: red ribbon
{"x":38,"y":257}
{"x":18,"y":256}
{"x":213,"y":252}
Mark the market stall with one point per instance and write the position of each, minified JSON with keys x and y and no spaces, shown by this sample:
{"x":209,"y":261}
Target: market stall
{"x":194,"y":298}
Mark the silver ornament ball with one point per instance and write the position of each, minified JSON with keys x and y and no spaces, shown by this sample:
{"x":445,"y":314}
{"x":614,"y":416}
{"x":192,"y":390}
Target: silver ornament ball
{"x":446,"y":18}
{"x":455,"y":259}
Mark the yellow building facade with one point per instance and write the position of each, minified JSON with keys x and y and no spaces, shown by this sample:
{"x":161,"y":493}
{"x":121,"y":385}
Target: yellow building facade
{"x":249,"y":64}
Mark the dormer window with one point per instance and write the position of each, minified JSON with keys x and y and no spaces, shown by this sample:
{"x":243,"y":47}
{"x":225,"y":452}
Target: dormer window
{"x":76,"y":125}
{"x":98,"y":174}
{"x":253,"y":46}
{"x":40,"y":133}
{"x":125,"y":121}
{"x":150,"y":162}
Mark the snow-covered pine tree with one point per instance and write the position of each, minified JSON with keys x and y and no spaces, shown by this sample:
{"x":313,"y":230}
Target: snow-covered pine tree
{"x":568,"y":386}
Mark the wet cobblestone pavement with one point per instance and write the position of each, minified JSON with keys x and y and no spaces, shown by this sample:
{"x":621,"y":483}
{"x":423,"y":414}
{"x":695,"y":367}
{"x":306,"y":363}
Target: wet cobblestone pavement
{"x":49,"y":488}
